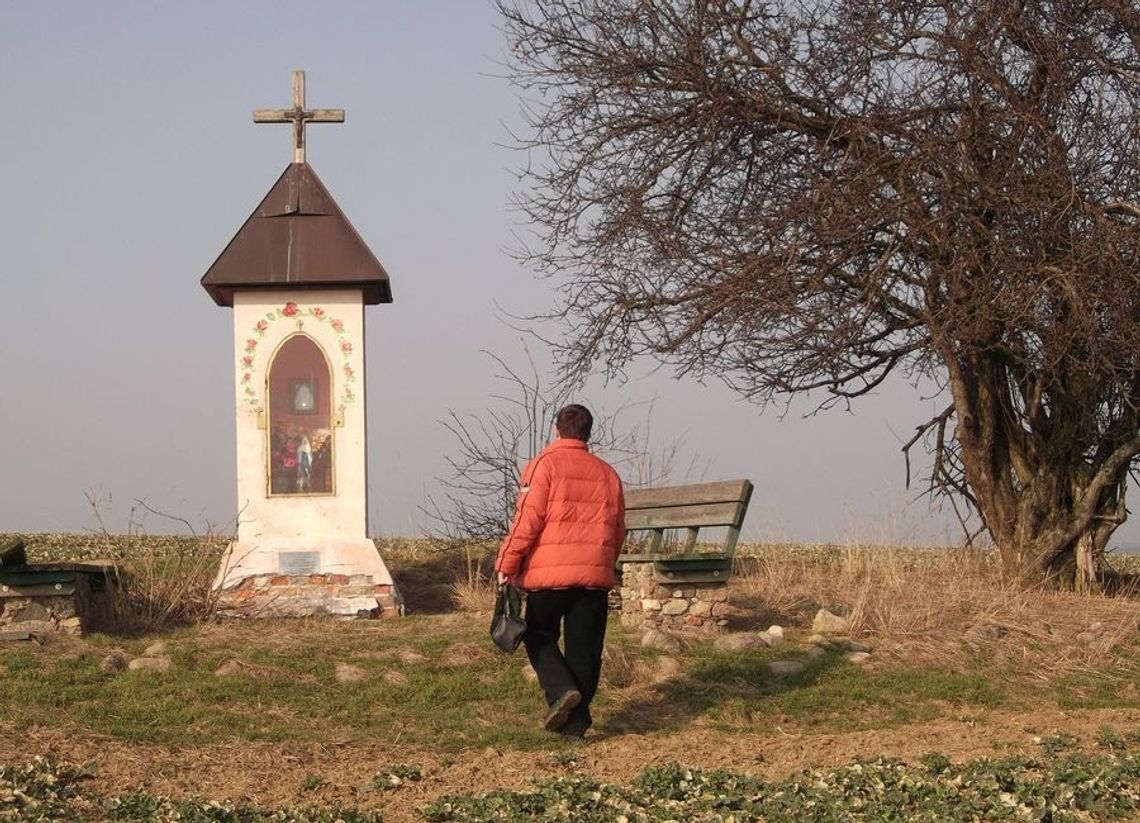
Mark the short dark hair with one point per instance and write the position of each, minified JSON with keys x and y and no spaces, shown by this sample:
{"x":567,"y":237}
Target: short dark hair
{"x":574,"y":421}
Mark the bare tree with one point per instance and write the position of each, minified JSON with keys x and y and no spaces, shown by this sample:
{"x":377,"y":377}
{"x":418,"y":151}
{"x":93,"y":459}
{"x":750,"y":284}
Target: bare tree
{"x":806,"y":197}
{"x":493,"y":445}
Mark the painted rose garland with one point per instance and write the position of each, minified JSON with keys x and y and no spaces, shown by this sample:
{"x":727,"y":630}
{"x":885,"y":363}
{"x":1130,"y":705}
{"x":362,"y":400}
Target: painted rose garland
{"x":294,"y":312}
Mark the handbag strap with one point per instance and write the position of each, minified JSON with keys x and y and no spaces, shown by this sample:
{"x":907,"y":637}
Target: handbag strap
{"x":509,"y":600}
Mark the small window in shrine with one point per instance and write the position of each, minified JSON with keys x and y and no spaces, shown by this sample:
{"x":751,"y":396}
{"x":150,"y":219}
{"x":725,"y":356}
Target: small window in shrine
{"x":300,"y":415}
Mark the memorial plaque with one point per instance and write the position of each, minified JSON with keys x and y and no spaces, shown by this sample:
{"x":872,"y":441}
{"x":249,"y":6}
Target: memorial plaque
{"x":299,"y":562}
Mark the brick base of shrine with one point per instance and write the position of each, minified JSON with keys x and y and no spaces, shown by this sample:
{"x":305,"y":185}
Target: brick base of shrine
{"x":646,"y":602}
{"x":310,"y":595}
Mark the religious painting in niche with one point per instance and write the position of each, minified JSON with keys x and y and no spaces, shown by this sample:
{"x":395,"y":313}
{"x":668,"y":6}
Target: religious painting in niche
{"x":300,"y":415}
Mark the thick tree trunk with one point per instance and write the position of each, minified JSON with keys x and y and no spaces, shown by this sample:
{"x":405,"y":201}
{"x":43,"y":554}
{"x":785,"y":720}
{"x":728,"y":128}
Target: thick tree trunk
{"x":1049,"y":506}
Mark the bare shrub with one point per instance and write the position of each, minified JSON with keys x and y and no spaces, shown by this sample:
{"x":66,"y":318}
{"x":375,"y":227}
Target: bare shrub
{"x":473,"y":589}
{"x":164,"y":580}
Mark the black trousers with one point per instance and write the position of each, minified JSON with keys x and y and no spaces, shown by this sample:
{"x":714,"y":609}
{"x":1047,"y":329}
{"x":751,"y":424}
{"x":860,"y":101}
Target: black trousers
{"x":581,"y":615}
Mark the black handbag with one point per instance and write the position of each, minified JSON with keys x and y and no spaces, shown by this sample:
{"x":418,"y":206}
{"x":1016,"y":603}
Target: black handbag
{"x":507,"y":624}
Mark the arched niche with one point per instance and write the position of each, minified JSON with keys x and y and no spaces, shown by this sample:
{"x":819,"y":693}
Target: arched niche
{"x":299,"y":399}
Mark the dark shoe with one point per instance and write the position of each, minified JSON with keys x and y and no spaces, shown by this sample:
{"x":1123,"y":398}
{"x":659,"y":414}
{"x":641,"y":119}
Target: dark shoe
{"x":560,"y":710}
{"x":573,"y":731}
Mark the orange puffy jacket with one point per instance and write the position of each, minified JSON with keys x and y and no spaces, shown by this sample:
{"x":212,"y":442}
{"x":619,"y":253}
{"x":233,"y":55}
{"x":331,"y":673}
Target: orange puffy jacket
{"x":569,"y":521}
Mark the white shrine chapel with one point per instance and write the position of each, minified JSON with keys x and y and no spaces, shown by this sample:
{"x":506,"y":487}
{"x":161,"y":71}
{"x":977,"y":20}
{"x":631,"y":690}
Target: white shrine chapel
{"x":298,"y":276}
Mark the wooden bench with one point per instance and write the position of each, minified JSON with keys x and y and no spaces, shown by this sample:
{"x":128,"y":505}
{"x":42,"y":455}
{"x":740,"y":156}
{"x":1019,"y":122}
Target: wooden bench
{"x":687,"y":508}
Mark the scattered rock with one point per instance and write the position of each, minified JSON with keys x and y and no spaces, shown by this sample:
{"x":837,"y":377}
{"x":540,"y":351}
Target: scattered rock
{"x":858,"y":658}
{"x":155,"y":649}
{"x":657,"y":639}
{"x":229,"y":667}
{"x":739,"y":641}
{"x":159,"y":663}
{"x":991,"y":631}
{"x":115,"y":661}
{"x":667,"y":668}
{"x":675,"y":607}
{"x":775,"y":635}
{"x":347,"y":673}
{"x":786,"y":668}
{"x":1085,"y":638}
{"x":827,"y":623}
{"x":817,"y":640}
{"x":815,"y":652}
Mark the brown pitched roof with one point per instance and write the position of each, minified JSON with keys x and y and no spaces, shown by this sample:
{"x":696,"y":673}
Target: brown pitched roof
{"x":297,"y":236}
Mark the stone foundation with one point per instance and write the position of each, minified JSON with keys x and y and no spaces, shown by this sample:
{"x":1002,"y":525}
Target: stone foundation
{"x":310,"y":595}
{"x":677,"y":607}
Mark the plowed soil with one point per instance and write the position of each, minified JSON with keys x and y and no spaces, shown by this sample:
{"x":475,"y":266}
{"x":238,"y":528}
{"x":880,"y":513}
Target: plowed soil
{"x":273,"y":775}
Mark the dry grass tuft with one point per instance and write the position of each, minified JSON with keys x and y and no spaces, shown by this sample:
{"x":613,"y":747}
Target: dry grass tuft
{"x":946,"y":606}
{"x":621,"y":668}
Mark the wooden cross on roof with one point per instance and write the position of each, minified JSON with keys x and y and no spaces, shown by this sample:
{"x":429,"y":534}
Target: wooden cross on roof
{"x":298,"y":116}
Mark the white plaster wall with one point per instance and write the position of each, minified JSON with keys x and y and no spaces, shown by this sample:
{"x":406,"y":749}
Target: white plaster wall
{"x":335,"y":320}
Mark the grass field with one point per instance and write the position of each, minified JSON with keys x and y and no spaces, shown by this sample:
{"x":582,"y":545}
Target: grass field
{"x":981,"y":700}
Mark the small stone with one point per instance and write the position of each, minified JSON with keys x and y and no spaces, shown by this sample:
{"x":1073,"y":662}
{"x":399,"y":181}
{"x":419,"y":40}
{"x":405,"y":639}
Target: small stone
{"x":700,"y":608}
{"x":650,"y":605}
{"x":347,"y":673}
{"x":657,"y":639}
{"x":827,"y":623}
{"x":818,"y":640}
{"x":775,"y":635}
{"x":858,"y":658}
{"x":155,"y":649}
{"x":154,"y":664}
{"x":740,"y":641}
{"x":229,"y":667}
{"x":71,"y":625}
{"x":786,"y":668}
{"x":991,"y":631}
{"x":1085,"y":638}
{"x":666,"y":668}
{"x":1097,"y":627}
{"x":115,"y":661}
{"x":815,"y":652}
{"x":675,"y":607}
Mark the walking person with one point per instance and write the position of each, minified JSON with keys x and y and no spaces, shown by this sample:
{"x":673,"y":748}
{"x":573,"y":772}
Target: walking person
{"x":567,"y":530}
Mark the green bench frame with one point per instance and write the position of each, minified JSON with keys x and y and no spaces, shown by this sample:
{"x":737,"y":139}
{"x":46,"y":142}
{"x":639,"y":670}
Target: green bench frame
{"x":691,"y":508}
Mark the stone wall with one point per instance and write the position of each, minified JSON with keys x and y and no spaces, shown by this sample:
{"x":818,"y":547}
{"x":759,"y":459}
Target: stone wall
{"x":689,"y":607}
{"x":70,"y":608}
{"x":309,"y":595}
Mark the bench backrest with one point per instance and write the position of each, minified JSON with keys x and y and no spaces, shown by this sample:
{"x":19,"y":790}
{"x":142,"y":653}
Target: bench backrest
{"x":689,"y":507}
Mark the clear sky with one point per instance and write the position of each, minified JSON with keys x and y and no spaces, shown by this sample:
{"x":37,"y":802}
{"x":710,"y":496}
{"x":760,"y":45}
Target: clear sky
{"x":129,"y":159}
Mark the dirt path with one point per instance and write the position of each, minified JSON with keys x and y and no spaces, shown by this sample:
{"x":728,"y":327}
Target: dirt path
{"x":272,"y":775}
